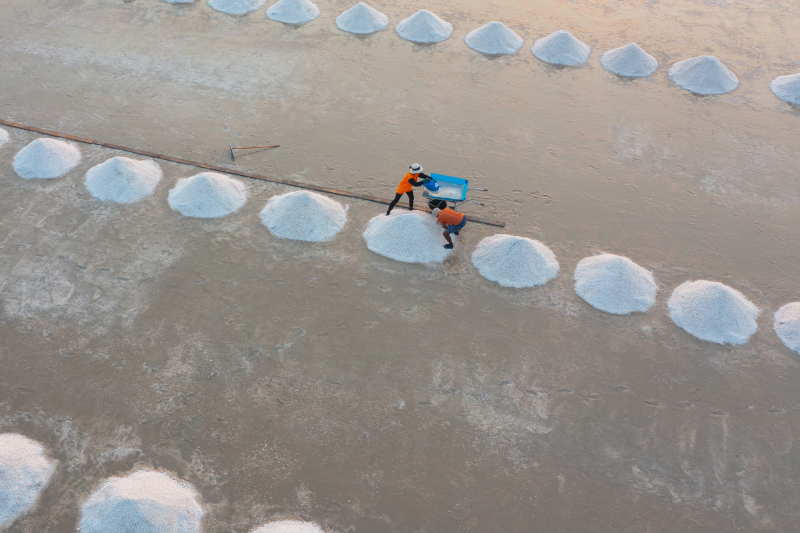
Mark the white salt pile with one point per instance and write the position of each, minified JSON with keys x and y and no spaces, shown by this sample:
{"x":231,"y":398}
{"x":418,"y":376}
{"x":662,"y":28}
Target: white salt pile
{"x":123,"y":180}
{"x":46,"y":158}
{"x":236,"y":7}
{"x":207,"y":195}
{"x":787,"y":325}
{"x":704,"y":75}
{"x":3,"y":137}
{"x":410,"y":237}
{"x":713,"y":312}
{"x":629,"y":61}
{"x":142,"y":502}
{"x":516,"y":262}
{"x":25,"y":470}
{"x":293,"y":11}
{"x":451,"y":192}
{"x":424,"y":27}
{"x":494,"y":38}
{"x":561,"y":48}
{"x":787,"y":88}
{"x":303,"y":216}
{"x":615,"y":284}
{"x":362,"y":19}
{"x":289,"y":526}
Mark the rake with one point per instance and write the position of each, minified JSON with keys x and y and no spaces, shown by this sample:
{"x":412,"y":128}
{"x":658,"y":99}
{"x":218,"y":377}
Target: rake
{"x":233,"y":156}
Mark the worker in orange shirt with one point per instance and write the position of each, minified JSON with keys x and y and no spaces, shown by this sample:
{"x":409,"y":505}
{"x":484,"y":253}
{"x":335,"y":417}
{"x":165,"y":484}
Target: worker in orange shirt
{"x":451,"y":221}
{"x":407,"y":185}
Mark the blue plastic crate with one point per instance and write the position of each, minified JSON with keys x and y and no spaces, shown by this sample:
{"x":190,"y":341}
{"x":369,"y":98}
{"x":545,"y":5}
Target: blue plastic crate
{"x":446,"y":191}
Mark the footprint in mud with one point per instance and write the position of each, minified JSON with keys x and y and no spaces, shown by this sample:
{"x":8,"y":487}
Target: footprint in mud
{"x":426,"y":402}
{"x":653,"y":404}
{"x":746,"y":408}
{"x":450,"y":391}
{"x":359,"y":282}
{"x":369,"y":325}
{"x":533,"y":392}
{"x":777,"y":411}
{"x":506,"y":383}
{"x":564,"y":391}
{"x":621,"y":388}
{"x":719,"y":413}
{"x":592,"y":396}
{"x":685,"y":405}
{"x":384,"y":288}
{"x":384,"y":311}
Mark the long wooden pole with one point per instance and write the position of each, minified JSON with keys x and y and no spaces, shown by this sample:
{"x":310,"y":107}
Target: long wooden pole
{"x":235,"y":172}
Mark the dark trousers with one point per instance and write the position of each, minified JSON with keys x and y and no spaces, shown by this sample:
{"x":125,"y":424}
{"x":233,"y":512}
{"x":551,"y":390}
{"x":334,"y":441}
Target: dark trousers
{"x":397,"y":197}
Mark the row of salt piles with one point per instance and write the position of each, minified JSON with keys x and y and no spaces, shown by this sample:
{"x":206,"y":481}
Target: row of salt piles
{"x":144,"y":501}
{"x":708,"y":310}
{"x":701,"y":75}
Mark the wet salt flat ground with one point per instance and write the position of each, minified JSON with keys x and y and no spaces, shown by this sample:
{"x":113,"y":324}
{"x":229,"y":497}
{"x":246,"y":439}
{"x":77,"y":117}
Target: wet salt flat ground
{"x":321,"y":381}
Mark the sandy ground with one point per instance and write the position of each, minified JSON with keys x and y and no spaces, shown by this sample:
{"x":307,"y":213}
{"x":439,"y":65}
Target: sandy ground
{"x":325,"y":382}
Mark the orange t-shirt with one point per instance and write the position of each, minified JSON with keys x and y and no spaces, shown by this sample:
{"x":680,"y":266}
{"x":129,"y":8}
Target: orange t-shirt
{"x":448,"y":217}
{"x":405,"y":186}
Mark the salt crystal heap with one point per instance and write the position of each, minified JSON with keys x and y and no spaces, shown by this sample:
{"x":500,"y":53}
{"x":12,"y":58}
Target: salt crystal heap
{"x":787,"y":88}
{"x":410,"y":237}
{"x":787,"y":325}
{"x":46,"y":159}
{"x":236,"y":7}
{"x":494,"y":38}
{"x":424,"y":27}
{"x":629,"y":61}
{"x":123,"y":180}
{"x":362,"y":19}
{"x":303,"y":216}
{"x":513,"y":261}
{"x":25,"y":470}
{"x":289,"y":526}
{"x":142,"y":502}
{"x":713,"y":312}
{"x":562,"y":49}
{"x":615,"y":284}
{"x":293,"y":11}
{"x":207,"y":195}
{"x":3,"y":137}
{"x":703,"y":75}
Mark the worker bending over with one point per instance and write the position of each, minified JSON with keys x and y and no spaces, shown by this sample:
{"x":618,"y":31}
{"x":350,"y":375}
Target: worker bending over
{"x":407,"y":185}
{"x":451,"y":221}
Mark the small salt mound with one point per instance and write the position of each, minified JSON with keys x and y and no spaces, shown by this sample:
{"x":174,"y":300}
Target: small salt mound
{"x":25,"y":470}
{"x":787,"y":88}
{"x":615,"y":284}
{"x":704,"y":75}
{"x":494,"y":38}
{"x":787,"y":325}
{"x":142,"y":502}
{"x":236,"y":7}
{"x":515,"y":261}
{"x":207,"y":195}
{"x":303,"y":216}
{"x":410,"y":237}
{"x":362,"y":19}
{"x":629,"y":61}
{"x":46,"y":158}
{"x":3,"y":137}
{"x":713,"y":312}
{"x":561,"y":48}
{"x":289,"y":526}
{"x":123,"y":180}
{"x":293,"y":11}
{"x":424,"y":27}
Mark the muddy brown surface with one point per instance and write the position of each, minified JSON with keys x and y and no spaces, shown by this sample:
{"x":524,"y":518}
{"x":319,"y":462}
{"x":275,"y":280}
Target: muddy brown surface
{"x":324,"y":382}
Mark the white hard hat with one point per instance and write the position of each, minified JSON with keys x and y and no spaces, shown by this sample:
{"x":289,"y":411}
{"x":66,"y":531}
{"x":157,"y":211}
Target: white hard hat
{"x":435,"y":211}
{"x":416,"y":168}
